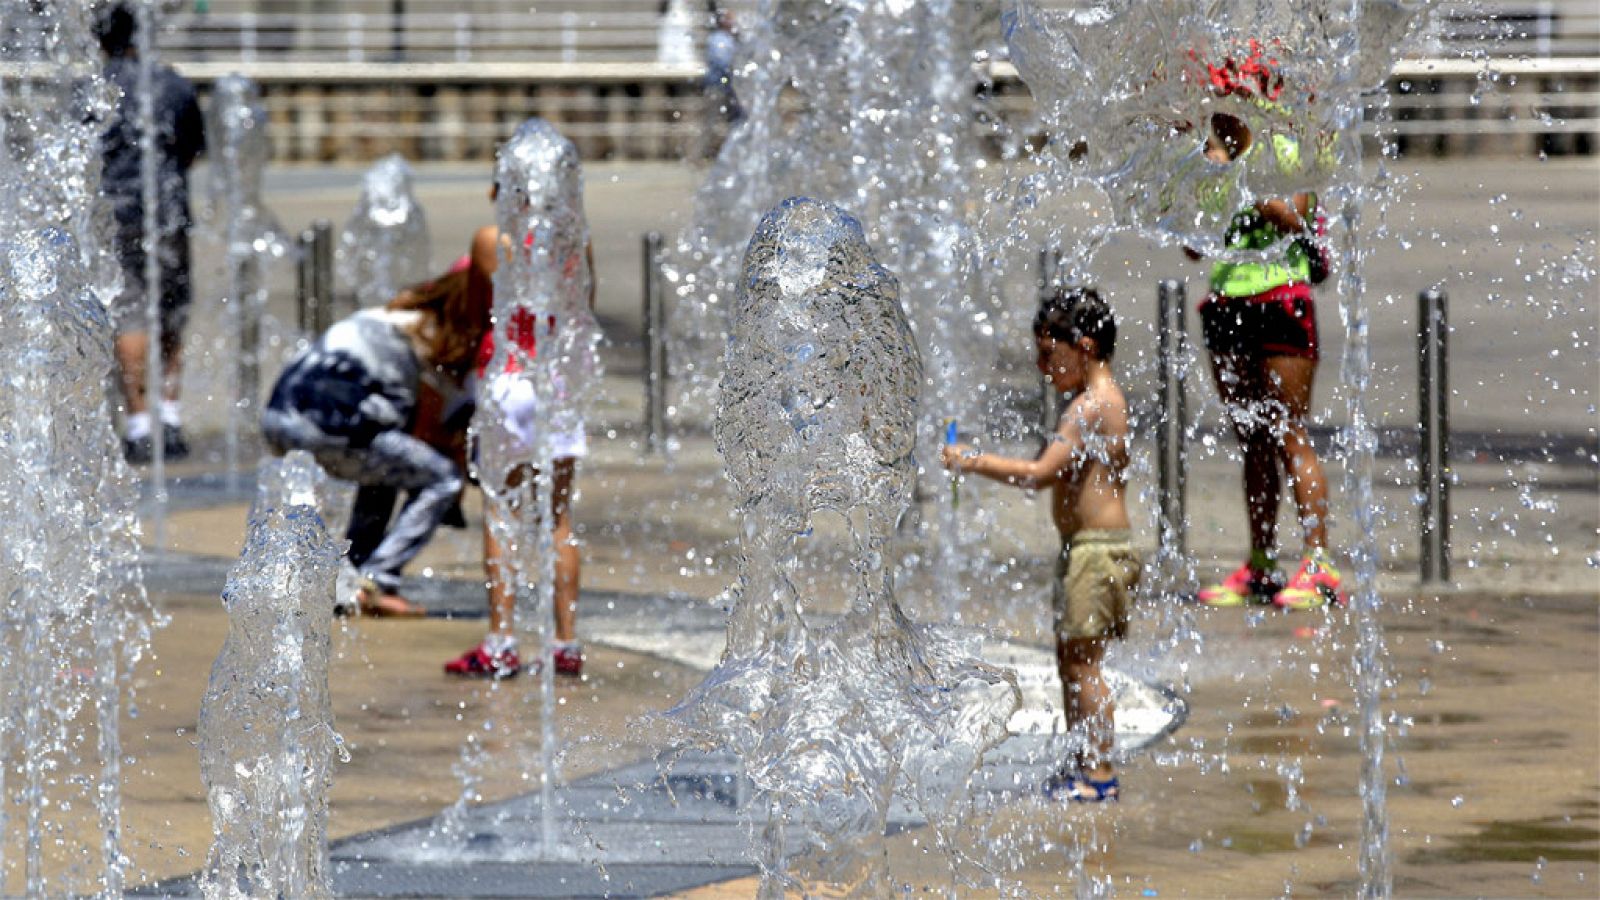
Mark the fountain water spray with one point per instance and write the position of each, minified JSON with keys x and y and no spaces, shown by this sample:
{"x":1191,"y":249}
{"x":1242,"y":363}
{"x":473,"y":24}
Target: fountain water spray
{"x":384,"y":245}
{"x":146,"y":15}
{"x":76,"y":612}
{"x":869,"y":104}
{"x":818,"y":414}
{"x":546,"y":363}
{"x":1130,"y":90}
{"x":76,"y":617}
{"x":236,"y":124}
{"x":266,"y":721}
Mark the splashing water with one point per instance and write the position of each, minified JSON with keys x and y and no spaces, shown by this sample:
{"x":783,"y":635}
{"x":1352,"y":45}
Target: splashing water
{"x":542,"y":289}
{"x":538,"y":385}
{"x":1131,"y":92}
{"x":818,"y":413}
{"x":75,"y":615}
{"x":384,"y":245}
{"x":147,"y":17}
{"x":869,"y":104}
{"x":266,"y":721}
{"x":236,"y":136}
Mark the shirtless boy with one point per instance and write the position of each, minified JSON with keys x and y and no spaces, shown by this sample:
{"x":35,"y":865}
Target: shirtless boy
{"x":1084,"y":465}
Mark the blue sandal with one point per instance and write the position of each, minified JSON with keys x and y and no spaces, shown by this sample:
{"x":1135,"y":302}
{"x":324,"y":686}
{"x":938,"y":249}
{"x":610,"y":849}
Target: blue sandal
{"x":1075,"y":787}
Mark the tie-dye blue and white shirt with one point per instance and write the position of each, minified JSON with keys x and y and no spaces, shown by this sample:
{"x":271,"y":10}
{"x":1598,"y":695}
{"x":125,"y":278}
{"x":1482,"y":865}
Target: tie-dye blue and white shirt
{"x":357,"y":380}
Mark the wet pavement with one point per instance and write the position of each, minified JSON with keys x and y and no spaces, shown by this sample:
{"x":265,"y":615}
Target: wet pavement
{"x":1494,"y":756}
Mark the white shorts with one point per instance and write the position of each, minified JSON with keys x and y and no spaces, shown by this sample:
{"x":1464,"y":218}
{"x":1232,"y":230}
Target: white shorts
{"x":517,"y":440}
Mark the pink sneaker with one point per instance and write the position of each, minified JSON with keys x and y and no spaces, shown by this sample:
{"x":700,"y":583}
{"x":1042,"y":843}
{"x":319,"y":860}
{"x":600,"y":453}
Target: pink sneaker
{"x":1243,"y":587}
{"x":480,"y":663}
{"x":1315,"y":584}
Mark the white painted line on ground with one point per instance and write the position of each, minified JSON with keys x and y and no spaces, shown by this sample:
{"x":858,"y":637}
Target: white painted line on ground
{"x":1143,"y":711}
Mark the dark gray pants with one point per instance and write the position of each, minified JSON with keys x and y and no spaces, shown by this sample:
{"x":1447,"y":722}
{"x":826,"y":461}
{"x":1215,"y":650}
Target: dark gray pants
{"x":394,"y":461}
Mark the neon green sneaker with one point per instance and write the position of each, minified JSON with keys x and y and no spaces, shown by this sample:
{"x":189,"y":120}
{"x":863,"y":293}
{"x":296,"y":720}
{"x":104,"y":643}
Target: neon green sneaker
{"x":1314,"y":585}
{"x":1245,"y":587}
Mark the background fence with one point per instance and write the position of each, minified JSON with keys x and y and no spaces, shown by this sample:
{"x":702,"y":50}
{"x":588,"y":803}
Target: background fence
{"x":448,"y":79}
{"x":672,"y":31}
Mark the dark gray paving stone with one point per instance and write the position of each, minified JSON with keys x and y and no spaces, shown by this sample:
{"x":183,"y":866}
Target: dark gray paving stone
{"x":174,"y":572}
{"x":499,"y":880}
{"x":643,"y":829}
{"x":205,"y":490}
{"x":529,"y":880}
{"x":634,"y":820}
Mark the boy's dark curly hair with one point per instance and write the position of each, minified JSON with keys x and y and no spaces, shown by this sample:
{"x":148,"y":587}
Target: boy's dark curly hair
{"x":1073,"y":313}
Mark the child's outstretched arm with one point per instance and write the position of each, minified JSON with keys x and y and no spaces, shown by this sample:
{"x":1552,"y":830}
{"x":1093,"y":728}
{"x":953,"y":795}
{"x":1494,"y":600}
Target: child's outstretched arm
{"x":1056,"y":461}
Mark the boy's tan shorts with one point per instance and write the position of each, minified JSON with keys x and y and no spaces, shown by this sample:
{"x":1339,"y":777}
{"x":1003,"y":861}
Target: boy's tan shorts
{"x":1095,"y":580}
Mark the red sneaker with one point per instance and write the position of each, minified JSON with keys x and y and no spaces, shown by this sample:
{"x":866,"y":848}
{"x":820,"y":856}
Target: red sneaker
{"x":480,"y":663}
{"x":569,"y":659}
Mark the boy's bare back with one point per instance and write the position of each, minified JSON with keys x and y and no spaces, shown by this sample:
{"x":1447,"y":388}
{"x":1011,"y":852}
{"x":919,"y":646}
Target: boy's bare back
{"x":1090,"y":486}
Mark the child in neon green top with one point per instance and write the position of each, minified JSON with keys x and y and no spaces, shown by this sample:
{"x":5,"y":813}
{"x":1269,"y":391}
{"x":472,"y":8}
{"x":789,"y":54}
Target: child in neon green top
{"x":1260,"y":327}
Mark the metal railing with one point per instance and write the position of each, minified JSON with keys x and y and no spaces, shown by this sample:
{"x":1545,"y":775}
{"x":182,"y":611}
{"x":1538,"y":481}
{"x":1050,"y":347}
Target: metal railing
{"x":330,"y":111}
{"x":436,"y":31}
{"x":653,"y":120}
{"x":635,"y":30}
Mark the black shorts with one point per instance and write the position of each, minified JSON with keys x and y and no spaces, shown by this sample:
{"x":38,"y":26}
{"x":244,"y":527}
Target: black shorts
{"x":1277,"y":323}
{"x":128,"y":310}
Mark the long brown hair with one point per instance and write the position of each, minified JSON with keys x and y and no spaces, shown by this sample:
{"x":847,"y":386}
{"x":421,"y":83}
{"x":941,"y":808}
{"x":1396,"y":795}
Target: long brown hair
{"x":454,"y":320}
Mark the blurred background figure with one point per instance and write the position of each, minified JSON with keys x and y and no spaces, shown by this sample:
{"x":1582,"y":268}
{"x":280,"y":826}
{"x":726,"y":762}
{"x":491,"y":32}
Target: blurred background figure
{"x":179,"y":140}
{"x":722,"y":47}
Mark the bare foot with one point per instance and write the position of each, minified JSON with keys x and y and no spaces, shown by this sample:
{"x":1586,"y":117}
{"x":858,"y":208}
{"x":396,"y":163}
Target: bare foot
{"x":382,"y":605}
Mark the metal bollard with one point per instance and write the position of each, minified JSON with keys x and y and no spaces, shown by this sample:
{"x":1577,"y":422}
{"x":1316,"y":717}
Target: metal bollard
{"x":655,"y":347}
{"x":1172,"y":461}
{"x":305,"y":282}
{"x":1049,"y":270}
{"x":246,"y":299}
{"x":322,"y":270}
{"x":314,"y":278}
{"x":247,"y":293}
{"x":1433,"y":456}
{"x":1049,"y":399}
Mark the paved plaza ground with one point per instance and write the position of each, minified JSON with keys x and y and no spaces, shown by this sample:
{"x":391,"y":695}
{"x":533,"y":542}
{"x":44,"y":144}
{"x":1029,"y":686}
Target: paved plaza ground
{"x":1494,"y":732}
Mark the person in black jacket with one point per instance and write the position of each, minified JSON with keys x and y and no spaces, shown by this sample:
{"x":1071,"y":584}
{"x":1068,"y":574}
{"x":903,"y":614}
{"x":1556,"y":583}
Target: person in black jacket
{"x":179,"y":140}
